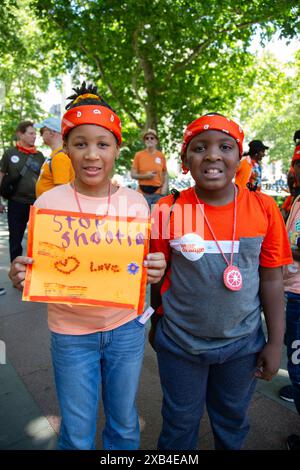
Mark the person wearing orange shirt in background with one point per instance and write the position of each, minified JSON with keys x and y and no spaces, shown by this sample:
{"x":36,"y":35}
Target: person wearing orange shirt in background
{"x":150,"y":169}
{"x":249,"y":170}
{"x":57,"y":169}
{"x":244,"y":171}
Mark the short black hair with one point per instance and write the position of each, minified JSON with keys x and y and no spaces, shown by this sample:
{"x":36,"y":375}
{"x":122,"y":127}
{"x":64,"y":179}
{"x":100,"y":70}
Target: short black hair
{"x":214,"y":114}
{"x":297,"y":136}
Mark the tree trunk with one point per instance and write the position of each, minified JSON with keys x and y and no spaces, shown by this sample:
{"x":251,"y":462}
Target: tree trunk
{"x":150,"y":105}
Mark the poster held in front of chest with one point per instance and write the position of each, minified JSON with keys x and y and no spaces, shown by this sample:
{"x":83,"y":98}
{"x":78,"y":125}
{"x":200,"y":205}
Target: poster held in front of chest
{"x":86,"y":259}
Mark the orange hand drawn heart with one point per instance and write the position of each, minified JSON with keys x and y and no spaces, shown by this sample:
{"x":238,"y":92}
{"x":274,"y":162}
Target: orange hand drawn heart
{"x":67,"y":265}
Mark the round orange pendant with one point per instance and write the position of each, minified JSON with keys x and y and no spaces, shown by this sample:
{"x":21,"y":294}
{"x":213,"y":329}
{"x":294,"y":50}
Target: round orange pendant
{"x":232,"y":278}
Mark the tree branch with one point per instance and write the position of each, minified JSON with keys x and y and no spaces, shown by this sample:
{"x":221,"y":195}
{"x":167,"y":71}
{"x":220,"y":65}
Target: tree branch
{"x":198,"y":49}
{"x":149,"y":77}
{"x":114,"y":93}
{"x":107,"y":82}
{"x":135,"y":88}
{"x":134,"y":43}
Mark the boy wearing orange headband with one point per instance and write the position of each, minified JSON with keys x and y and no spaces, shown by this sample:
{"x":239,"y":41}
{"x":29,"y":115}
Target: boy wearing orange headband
{"x":95,"y":347}
{"x":224,"y":247}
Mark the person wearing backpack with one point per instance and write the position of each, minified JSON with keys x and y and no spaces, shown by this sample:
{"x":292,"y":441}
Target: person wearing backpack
{"x":19,"y":168}
{"x":58,"y":168}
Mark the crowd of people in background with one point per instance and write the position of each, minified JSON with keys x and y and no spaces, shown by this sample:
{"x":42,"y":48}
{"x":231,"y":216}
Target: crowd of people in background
{"x":212,"y":358}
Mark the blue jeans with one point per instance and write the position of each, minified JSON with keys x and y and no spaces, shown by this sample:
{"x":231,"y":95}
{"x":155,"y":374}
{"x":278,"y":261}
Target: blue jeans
{"x":292,"y":341}
{"x":222,"y":378}
{"x":86,"y":367}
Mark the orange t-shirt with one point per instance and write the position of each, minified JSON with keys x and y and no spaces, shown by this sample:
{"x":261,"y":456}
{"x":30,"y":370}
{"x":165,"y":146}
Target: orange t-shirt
{"x":56,"y":170}
{"x":200,"y":313}
{"x":144,"y":162}
{"x":243,"y":172}
{"x":287,"y":204}
{"x":258,"y":218}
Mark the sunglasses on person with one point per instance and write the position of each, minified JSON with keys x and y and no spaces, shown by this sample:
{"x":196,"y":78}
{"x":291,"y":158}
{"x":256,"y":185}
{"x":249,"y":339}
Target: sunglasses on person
{"x":150,"y":137}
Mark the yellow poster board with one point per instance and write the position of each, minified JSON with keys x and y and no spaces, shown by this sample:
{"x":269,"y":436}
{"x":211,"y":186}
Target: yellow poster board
{"x":86,"y":259}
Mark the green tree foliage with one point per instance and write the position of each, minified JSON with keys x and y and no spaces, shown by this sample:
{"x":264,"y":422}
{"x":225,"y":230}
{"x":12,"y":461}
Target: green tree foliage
{"x":163,"y":62}
{"x":8,"y":35}
{"x":26,"y":64}
{"x":159,"y":63}
{"x":271,"y":109}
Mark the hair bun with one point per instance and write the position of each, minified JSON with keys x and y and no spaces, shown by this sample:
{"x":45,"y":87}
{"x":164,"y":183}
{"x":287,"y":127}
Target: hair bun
{"x":297,"y":136}
{"x":83,"y":90}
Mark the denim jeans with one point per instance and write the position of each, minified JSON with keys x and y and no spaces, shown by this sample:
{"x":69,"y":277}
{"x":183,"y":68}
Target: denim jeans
{"x":222,"y":378}
{"x":87,"y":367}
{"x":292,"y":341}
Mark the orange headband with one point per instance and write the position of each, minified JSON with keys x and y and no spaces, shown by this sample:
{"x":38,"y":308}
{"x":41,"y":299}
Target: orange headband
{"x":296,"y":155}
{"x":92,"y":114}
{"x":212,"y":122}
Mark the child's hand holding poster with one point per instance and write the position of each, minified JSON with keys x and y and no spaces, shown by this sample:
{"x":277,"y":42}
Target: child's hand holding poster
{"x":86,"y":259}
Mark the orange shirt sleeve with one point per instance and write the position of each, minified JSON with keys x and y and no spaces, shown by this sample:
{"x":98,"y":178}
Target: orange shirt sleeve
{"x":275,"y":250}
{"x":160,"y":218}
{"x":287,"y":203}
{"x":62,"y":169}
{"x":243,"y":173}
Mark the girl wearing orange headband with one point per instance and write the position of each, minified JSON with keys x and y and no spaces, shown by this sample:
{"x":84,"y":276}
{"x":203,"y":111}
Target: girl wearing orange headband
{"x":221,"y":271}
{"x":95,"y":350}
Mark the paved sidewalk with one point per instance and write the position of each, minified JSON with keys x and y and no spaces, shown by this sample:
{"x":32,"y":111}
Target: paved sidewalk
{"x":29,"y":415}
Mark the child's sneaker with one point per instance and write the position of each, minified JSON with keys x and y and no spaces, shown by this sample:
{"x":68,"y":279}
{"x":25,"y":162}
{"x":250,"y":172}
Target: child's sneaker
{"x":286,"y":393}
{"x":293,"y":442}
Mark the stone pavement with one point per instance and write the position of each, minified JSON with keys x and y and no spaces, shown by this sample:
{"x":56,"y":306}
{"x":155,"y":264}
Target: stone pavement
{"x":29,"y":414}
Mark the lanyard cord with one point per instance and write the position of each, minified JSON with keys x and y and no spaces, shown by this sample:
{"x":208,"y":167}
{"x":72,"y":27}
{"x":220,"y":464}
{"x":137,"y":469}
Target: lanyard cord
{"x":108,"y":199}
{"x":212,"y":232}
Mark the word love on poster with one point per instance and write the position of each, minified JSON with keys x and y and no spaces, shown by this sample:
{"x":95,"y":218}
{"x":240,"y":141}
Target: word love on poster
{"x":86,"y":259}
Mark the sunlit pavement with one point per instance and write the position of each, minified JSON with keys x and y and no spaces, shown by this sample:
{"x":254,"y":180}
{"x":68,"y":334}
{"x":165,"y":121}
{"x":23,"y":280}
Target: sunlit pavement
{"x":29,"y":415}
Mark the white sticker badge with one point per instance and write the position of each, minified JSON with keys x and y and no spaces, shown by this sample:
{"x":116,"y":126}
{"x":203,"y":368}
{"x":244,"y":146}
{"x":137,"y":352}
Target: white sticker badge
{"x":158,"y":160}
{"x":293,"y":268}
{"x":14,"y":159}
{"x":192,"y":246}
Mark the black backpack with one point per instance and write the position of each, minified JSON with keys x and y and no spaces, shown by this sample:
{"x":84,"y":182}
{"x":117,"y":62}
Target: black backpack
{"x":9,"y":185}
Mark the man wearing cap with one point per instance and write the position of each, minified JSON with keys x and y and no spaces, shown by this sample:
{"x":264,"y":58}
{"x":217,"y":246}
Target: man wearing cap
{"x":150,"y":169}
{"x":58,"y":168}
{"x":250,"y":170}
{"x":21,"y":164}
